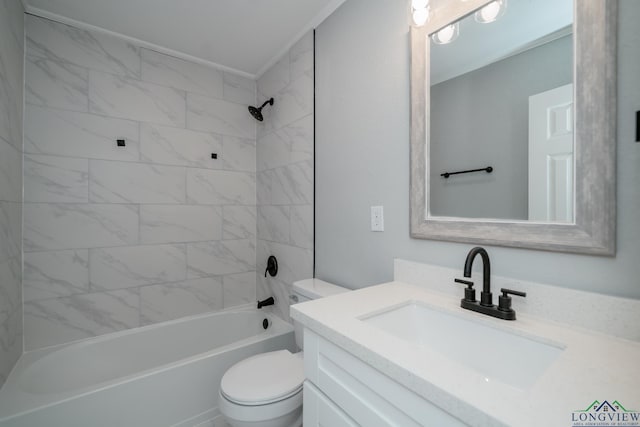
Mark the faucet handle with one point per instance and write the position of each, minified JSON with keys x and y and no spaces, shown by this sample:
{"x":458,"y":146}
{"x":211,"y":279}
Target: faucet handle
{"x":506,"y":292}
{"x":469,"y":292}
{"x":504,"y":300}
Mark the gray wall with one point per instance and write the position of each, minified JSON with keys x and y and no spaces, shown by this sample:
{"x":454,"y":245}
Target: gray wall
{"x":481,"y":119}
{"x":285,"y":173}
{"x":362,"y":159}
{"x":116,"y":238}
{"x":11,"y":107}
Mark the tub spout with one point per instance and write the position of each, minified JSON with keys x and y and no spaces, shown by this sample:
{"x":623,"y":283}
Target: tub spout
{"x":268,"y":301}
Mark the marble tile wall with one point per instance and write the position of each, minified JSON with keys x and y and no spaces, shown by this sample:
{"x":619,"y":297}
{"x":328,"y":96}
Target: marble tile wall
{"x":119,"y":237}
{"x":285,"y":173}
{"x":11,"y":107}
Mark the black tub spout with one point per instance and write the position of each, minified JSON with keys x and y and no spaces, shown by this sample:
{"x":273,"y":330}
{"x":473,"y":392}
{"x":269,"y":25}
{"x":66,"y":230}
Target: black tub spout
{"x":264,"y":303}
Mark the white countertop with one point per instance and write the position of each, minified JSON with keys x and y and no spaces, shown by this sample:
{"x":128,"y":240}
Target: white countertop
{"x":592,"y":366}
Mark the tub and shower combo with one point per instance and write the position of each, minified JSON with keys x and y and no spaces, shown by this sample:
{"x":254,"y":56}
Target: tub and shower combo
{"x":165,"y":374}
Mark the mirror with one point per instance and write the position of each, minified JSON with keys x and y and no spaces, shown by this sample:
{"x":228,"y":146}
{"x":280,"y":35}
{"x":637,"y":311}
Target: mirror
{"x":498,"y":100}
{"x":488,"y":79}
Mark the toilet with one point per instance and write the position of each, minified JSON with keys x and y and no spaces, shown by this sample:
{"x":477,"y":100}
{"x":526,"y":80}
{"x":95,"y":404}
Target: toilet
{"x":265,"y":390}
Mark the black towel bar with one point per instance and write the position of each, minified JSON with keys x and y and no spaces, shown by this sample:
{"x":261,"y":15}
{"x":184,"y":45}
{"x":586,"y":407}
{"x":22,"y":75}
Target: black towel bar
{"x":488,"y":169}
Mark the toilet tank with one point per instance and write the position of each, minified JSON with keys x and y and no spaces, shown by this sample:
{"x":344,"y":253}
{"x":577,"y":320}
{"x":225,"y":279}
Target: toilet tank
{"x":307,"y":290}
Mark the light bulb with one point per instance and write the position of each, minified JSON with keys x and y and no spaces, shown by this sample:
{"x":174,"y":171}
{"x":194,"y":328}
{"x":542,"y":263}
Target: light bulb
{"x":419,"y":4}
{"x":491,"y":12}
{"x":447,"y":34}
{"x":420,"y":16}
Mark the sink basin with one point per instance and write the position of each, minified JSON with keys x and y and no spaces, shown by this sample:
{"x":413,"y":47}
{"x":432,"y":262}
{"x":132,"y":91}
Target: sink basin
{"x":496,"y":354}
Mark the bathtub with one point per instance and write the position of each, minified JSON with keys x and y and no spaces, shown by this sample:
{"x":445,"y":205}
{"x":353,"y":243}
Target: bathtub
{"x":166,"y":374}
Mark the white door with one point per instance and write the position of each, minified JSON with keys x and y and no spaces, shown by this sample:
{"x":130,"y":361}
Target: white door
{"x":551,"y":155}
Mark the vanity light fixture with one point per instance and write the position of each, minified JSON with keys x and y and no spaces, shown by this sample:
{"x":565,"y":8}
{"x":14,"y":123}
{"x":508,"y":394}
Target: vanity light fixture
{"x":447,"y":34}
{"x":420,"y":12}
{"x":491,"y":12}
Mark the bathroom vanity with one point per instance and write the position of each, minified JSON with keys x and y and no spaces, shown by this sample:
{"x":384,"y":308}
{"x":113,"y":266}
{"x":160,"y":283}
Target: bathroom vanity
{"x":407,"y":355}
{"x":341,"y":390}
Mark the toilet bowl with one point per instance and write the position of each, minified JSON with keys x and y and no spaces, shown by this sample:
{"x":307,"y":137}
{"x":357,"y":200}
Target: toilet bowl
{"x":265,"y":390}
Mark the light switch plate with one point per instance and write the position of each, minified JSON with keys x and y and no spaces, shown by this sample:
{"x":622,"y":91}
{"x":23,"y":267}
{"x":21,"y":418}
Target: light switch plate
{"x":377,"y":218}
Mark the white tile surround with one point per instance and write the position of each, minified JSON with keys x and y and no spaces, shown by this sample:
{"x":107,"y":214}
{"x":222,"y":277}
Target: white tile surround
{"x":11,"y":114}
{"x":586,"y":310}
{"x":119,"y":237}
{"x":285,"y":173}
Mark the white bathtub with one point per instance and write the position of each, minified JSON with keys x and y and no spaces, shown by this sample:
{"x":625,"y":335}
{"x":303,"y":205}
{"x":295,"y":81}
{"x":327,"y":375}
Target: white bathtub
{"x":166,"y":374}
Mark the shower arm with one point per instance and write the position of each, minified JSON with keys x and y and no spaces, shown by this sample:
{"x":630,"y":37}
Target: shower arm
{"x":268,"y":101}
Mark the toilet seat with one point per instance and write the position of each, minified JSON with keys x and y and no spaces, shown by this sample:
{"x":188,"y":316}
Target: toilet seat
{"x":263,"y":379}
{"x":277,"y":414}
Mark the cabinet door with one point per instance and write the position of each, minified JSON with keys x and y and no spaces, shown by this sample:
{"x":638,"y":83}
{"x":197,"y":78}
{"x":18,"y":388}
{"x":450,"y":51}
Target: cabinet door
{"x":369,"y":397}
{"x":319,"y":411}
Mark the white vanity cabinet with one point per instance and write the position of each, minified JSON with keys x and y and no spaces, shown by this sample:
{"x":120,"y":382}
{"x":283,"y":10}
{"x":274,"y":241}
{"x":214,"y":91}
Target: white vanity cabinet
{"x":341,"y":390}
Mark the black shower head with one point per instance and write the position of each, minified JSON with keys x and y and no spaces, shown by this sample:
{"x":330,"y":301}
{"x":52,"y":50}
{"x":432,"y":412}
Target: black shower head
{"x":256,"y":112}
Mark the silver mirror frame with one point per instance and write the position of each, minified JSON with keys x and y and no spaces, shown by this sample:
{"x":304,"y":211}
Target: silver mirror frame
{"x":595,"y":48}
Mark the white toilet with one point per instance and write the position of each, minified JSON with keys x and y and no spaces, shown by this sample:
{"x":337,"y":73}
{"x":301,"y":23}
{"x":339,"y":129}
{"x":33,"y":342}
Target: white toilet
{"x":266,"y":390}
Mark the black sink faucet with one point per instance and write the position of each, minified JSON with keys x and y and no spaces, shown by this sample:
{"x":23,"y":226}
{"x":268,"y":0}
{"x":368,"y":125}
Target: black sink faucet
{"x":486,"y":298}
{"x":485,"y":306}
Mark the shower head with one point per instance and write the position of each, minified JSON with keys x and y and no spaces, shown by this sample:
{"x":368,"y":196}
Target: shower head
{"x":256,"y":112}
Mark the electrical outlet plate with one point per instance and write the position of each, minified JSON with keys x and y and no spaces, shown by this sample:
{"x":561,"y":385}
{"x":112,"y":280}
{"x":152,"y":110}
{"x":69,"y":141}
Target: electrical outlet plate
{"x":377,"y":218}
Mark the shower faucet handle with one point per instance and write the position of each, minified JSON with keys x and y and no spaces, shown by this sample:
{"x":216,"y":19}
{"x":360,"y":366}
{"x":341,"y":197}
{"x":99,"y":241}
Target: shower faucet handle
{"x":272,"y":266}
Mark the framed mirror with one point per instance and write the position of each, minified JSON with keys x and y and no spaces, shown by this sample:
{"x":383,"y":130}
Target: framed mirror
{"x":513,"y":124}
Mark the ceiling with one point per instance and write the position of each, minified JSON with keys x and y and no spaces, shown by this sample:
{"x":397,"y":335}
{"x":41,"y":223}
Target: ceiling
{"x":241,"y":35}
